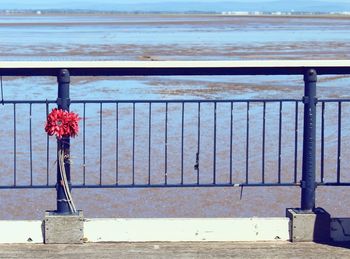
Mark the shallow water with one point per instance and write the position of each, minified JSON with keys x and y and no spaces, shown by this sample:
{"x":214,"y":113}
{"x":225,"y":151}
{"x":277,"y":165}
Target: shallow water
{"x":127,"y":37}
{"x":171,"y":37}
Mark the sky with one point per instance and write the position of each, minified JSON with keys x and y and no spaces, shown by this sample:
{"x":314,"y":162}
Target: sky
{"x":181,"y":5}
{"x":66,"y":3}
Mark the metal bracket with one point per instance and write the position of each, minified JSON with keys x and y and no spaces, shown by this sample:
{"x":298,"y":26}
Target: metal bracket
{"x":306,"y":99}
{"x":2,"y":92}
{"x":61,"y":101}
{"x":303,"y":184}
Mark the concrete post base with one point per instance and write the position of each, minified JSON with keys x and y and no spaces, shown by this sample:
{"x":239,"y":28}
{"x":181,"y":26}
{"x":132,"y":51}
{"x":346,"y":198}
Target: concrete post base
{"x":306,"y":227}
{"x":63,"y":229}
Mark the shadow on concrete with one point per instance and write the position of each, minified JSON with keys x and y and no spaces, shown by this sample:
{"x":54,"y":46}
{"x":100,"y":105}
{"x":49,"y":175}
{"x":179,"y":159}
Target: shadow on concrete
{"x":344,"y":244}
{"x":340,"y":230}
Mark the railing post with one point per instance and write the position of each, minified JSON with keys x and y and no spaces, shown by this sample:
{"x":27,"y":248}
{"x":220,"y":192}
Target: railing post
{"x":308,"y":183}
{"x":65,"y":225}
{"x":63,"y":102}
{"x":307,"y":222}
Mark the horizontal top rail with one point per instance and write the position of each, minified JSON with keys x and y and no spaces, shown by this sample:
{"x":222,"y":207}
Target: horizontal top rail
{"x":169,"y":68}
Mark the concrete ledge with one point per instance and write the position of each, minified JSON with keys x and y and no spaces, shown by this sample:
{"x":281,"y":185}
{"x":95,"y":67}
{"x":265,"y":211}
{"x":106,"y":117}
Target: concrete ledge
{"x":158,"y":229}
{"x":168,"y":229}
{"x":21,"y":231}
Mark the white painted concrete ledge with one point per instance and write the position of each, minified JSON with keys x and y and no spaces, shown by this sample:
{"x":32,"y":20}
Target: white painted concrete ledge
{"x":171,"y":230}
{"x":21,"y":231}
{"x":212,"y":229}
{"x":158,"y":229}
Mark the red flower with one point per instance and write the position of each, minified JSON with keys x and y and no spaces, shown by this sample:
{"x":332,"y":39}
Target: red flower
{"x":62,"y":123}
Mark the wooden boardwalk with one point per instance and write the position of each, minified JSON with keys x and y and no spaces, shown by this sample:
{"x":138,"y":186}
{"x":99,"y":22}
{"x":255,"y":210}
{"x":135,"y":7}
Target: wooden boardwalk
{"x":178,"y":250}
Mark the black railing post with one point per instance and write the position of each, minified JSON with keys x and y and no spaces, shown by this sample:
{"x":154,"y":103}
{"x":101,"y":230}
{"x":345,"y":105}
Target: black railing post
{"x":308,"y":183}
{"x":63,"y":102}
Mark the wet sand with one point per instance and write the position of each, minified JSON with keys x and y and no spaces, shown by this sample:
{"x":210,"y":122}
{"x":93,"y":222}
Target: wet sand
{"x":312,"y":50}
{"x":153,"y":37}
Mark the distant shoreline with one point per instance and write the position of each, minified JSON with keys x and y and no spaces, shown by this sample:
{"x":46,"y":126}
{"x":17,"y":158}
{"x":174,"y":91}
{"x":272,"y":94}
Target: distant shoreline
{"x":107,"y":12}
{"x":178,"y":14}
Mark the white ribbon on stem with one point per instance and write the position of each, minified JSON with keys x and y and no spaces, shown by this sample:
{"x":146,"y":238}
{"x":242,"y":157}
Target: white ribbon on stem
{"x":64,"y":181}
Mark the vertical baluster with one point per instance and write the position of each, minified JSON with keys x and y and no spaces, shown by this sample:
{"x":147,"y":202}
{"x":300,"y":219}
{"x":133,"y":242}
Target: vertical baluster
{"x":263,"y":143}
{"x":84,"y":143}
{"x":339,"y":143}
{"x":149,"y":141}
{"x":47,"y":149}
{"x":247,"y":146}
{"x":198,"y":140}
{"x":182,"y":142}
{"x":14,"y":146}
{"x":280,"y":142}
{"x":133,"y":143}
{"x":117,"y":143}
{"x":322,"y":142}
{"x":30,"y":145}
{"x":231,"y":140}
{"x":166,"y":145}
{"x":214,"y":152}
{"x":296,"y":141}
{"x":101,"y":129}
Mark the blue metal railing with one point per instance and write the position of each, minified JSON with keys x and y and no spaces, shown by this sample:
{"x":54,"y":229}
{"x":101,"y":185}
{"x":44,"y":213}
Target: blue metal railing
{"x":184,"y":143}
{"x":259,"y":112}
{"x":199,"y":137}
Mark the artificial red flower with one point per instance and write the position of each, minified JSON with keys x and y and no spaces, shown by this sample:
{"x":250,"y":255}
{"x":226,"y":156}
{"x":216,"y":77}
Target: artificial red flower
{"x":62,"y":123}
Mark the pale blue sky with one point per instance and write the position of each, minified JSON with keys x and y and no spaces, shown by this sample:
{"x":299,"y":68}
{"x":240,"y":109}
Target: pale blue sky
{"x":174,"y":5}
{"x":58,"y":2}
